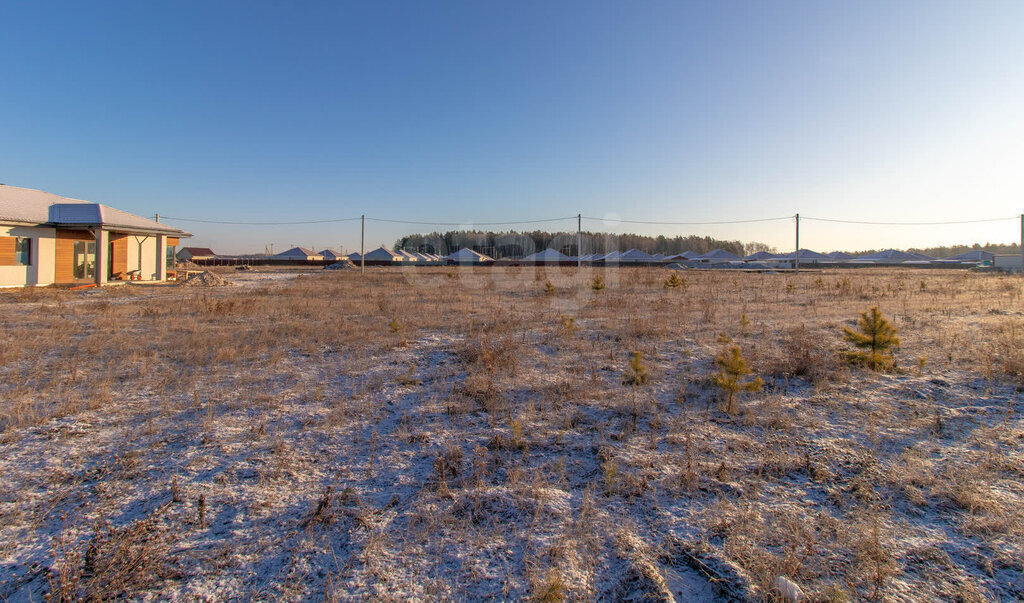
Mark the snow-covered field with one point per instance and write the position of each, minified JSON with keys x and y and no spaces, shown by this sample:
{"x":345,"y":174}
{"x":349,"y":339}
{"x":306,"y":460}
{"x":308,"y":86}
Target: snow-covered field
{"x":458,"y":433}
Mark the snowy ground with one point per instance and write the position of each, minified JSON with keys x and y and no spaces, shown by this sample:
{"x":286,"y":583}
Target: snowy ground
{"x":450,"y":434}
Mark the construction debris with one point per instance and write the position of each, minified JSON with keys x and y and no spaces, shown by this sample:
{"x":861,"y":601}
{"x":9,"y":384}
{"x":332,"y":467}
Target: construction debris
{"x":206,"y":279}
{"x":342,"y":265}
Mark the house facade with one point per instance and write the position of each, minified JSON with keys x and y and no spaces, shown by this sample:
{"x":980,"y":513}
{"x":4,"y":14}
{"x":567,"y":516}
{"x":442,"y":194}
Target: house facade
{"x":298,"y":253}
{"x":46,"y":239}
{"x":195,"y":253}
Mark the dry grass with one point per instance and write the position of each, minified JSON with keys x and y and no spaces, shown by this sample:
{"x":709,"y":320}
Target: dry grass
{"x":465,"y":433}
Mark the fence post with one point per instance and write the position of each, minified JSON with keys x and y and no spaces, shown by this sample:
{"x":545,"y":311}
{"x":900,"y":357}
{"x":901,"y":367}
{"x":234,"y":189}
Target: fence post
{"x":579,"y":242}
{"x":797,"y":265}
{"x":362,"y":245}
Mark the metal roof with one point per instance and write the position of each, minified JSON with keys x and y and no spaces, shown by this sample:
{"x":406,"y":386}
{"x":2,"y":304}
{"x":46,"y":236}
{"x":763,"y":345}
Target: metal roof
{"x":30,"y":206}
{"x":718,"y":254}
{"x":548,"y":255}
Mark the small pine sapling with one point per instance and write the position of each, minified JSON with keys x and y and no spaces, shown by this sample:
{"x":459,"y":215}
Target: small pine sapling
{"x":674,"y":282}
{"x":730,"y":377}
{"x":549,"y":289}
{"x":876,"y":338}
{"x":597,"y":284}
{"x":395,"y":326}
{"x":636,"y":374}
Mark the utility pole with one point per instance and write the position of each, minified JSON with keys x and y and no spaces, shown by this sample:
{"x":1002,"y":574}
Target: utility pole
{"x":579,"y":242}
{"x":1021,"y":244}
{"x":362,"y":245}
{"x":797,"y":265}
{"x":158,"y":218}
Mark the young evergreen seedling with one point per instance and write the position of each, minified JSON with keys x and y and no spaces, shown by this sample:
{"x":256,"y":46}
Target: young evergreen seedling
{"x":549,"y":289}
{"x":674,"y":281}
{"x":597,"y":284}
{"x":569,"y":325}
{"x":636,"y":374}
{"x":876,"y":338}
{"x":730,"y":377}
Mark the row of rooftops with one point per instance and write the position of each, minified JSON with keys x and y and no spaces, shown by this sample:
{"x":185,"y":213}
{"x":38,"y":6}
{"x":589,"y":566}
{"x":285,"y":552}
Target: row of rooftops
{"x":887,"y":256}
{"x":382,"y":254}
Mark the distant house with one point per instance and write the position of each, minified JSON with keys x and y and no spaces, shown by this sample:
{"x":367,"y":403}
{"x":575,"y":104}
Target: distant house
{"x":974,"y":256}
{"x":330,"y":254}
{"x":549,"y":255}
{"x":298,"y":253}
{"x":612,"y":256}
{"x":806,"y":255}
{"x":892,"y":256}
{"x":839,"y":256}
{"x":407,"y":257}
{"x":193,"y":253}
{"x":1008,"y":263}
{"x":635,"y":256}
{"x":46,"y":239}
{"x":681,"y":257}
{"x":383,"y":254}
{"x":716,"y":256}
{"x":759,"y":256}
{"x":468,"y":256}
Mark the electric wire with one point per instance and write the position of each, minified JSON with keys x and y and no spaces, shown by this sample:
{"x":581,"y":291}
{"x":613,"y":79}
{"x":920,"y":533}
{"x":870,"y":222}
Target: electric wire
{"x":470,"y":223}
{"x":276,"y":223}
{"x":938,"y":223}
{"x":748,"y":221}
{"x":591,"y":218}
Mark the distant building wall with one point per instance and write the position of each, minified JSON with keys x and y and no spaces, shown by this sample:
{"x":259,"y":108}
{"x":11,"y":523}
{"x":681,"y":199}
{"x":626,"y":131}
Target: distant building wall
{"x":1009,"y":263}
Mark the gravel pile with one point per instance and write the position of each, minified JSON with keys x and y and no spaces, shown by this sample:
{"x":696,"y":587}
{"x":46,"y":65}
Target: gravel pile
{"x":342,"y":265}
{"x":206,"y":279}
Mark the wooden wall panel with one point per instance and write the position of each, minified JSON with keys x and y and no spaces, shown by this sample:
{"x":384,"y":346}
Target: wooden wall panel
{"x":64,"y":257}
{"x":172,"y":241}
{"x":7,"y":251}
{"x":119,"y":257}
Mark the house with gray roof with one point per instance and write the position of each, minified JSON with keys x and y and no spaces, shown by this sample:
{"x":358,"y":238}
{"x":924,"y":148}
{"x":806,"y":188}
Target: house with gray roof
{"x":47,"y":239}
{"x":298,"y":253}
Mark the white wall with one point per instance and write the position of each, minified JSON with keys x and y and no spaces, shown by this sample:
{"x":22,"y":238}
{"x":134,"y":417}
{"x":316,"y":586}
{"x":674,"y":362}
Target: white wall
{"x":1009,"y":263}
{"x":149,"y":247}
{"x":161,"y":254}
{"x":44,"y":247}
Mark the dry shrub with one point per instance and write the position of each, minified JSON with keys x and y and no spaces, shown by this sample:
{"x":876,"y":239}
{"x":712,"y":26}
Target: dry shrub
{"x":491,"y":351}
{"x":874,"y":563}
{"x":549,"y":588}
{"x":116,"y":562}
{"x":799,"y":354}
{"x":968,"y":488}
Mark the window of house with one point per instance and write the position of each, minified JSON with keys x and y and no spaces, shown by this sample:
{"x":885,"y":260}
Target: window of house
{"x":170,"y":257}
{"x":84,"y":259}
{"x":23,"y":251}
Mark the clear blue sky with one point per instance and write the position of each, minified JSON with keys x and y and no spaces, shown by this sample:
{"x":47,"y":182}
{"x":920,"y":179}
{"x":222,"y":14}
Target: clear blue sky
{"x":484,"y":111}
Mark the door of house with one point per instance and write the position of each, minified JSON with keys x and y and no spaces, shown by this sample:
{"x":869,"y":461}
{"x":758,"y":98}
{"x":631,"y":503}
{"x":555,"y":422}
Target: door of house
{"x":84,"y":260}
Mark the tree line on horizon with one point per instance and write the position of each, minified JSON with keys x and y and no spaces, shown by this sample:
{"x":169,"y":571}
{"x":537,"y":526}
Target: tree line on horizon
{"x":513,"y":244}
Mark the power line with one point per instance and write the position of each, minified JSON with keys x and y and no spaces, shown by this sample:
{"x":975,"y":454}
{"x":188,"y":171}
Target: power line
{"x":623,"y":221}
{"x":689,"y":223}
{"x":940,"y":223}
{"x":471,"y":223}
{"x":276,"y":223}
